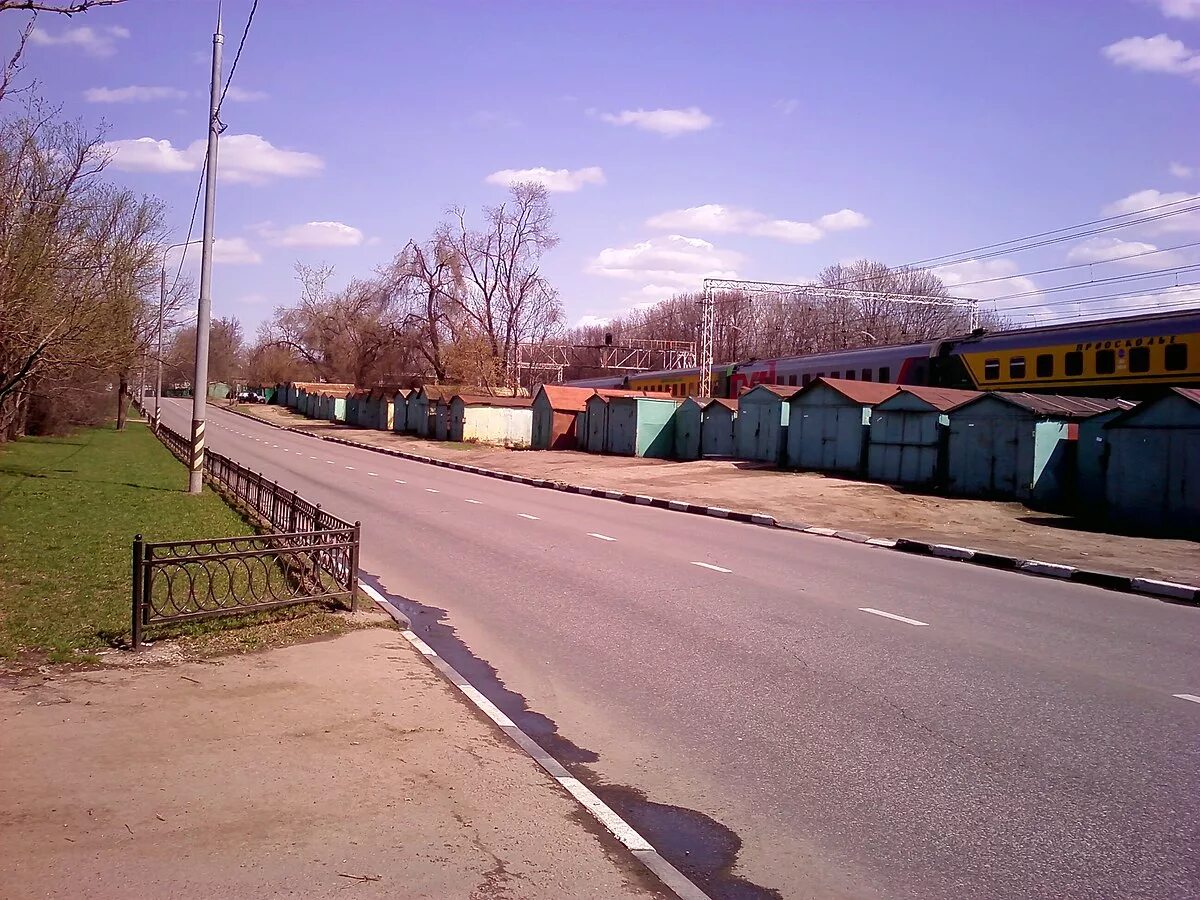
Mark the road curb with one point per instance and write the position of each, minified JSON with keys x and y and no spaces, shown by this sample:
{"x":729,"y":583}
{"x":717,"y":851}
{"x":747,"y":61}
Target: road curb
{"x":1174,"y":592}
{"x":641,"y":849}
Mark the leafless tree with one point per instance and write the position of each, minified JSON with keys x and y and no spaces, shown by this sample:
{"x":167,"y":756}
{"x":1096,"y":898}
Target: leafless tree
{"x":13,"y":65}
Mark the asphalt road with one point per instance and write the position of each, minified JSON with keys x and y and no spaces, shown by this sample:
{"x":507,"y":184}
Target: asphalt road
{"x":860,"y":723}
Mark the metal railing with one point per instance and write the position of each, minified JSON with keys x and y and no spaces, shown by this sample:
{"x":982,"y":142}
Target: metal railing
{"x":308,"y":554}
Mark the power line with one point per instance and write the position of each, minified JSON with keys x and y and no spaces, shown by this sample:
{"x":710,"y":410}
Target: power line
{"x":1030,"y":237}
{"x":192,"y":224}
{"x":1032,"y":241}
{"x":1115,"y":279}
{"x":1140,"y":292}
{"x":236,"y":57}
{"x":1098,"y":262}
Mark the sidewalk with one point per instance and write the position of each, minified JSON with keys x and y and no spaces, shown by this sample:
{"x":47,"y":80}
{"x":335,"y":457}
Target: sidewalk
{"x":878,"y":510}
{"x":344,"y":768}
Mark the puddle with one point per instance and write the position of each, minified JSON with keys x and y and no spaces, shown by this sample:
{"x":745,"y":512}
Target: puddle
{"x":700,"y":847}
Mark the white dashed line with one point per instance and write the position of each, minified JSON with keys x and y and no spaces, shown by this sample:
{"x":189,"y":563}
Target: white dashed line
{"x":601,"y":537}
{"x":398,"y":481}
{"x":312,"y":457}
{"x":350,"y":467}
{"x":527,"y":516}
{"x":330,"y":461}
{"x":433,"y":490}
{"x":888,"y":615}
{"x":704,"y":565}
{"x":469,"y":500}
{"x":373,"y":474}
{"x":1191,"y":697}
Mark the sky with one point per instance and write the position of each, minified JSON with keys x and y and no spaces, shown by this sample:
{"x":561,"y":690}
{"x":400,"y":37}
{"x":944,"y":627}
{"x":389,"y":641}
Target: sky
{"x":679,"y":138}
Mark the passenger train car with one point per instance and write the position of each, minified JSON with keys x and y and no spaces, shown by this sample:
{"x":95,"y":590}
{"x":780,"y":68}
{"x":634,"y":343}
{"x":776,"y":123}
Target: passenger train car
{"x":1125,"y":357}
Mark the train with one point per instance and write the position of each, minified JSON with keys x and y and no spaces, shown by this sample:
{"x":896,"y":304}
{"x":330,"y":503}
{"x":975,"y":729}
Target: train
{"x":1126,"y":357}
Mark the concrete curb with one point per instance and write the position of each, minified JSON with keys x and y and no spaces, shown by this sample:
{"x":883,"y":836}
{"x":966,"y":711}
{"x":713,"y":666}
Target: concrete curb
{"x":642,"y":850}
{"x":1163,"y":590}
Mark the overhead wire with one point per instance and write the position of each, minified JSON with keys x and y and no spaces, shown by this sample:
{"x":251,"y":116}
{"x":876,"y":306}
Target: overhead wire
{"x":204,"y":165}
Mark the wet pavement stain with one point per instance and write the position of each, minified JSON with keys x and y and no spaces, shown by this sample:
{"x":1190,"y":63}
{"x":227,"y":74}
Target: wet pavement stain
{"x":699,"y":846}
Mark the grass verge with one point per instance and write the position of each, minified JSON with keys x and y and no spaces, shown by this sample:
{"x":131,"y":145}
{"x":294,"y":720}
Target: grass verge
{"x":69,"y":508}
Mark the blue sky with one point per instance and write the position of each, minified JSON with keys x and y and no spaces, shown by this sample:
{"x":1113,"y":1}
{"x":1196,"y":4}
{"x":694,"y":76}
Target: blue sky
{"x":758,"y":139}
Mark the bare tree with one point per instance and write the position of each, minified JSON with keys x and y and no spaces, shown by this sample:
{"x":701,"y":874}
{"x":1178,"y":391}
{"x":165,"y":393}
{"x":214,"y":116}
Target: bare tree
{"x":13,"y":66}
{"x":503,"y":294}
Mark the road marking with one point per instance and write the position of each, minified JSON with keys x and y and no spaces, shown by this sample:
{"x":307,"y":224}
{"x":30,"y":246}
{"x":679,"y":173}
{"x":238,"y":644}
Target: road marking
{"x":433,"y":490}
{"x":888,"y":615}
{"x":330,"y":461}
{"x":350,"y":467}
{"x":704,"y":565}
{"x":312,"y":457}
{"x":373,"y":474}
{"x":398,"y":481}
{"x":468,"y":500}
{"x":602,"y":537}
{"x":1191,"y":697}
{"x":527,"y":516}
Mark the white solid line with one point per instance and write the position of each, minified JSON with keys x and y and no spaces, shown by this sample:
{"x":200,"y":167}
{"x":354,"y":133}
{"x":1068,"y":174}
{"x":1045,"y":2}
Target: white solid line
{"x":704,"y":565}
{"x":468,"y":500}
{"x":433,"y":490}
{"x":1191,"y":697}
{"x":527,"y":516}
{"x":888,"y":615}
{"x":603,"y":537}
{"x":597,"y":807}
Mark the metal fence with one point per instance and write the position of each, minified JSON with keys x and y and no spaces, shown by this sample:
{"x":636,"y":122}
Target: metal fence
{"x":308,"y":555}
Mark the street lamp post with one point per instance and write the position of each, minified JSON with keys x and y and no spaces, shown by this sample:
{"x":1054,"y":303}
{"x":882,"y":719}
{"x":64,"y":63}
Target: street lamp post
{"x":162,"y":303}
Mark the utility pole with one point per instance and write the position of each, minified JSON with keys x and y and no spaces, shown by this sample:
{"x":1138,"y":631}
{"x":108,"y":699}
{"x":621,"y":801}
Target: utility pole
{"x":204,"y":307}
{"x":162,"y":304}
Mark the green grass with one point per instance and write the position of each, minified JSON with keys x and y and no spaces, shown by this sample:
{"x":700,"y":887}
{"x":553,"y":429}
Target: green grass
{"x":69,"y":508}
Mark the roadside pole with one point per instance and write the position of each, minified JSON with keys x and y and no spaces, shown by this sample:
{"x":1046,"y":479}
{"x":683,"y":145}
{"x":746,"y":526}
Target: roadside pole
{"x":204,"y":307}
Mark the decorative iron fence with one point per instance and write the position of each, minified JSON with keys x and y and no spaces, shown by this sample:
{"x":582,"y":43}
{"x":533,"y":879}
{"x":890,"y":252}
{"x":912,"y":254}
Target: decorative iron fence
{"x":309,"y":554}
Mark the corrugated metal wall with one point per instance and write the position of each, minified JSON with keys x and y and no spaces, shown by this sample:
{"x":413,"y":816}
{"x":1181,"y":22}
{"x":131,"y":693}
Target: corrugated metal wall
{"x":761,"y":426}
{"x":1154,"y":466}
{"x":906,"y":442}
{"x":826,"y":431}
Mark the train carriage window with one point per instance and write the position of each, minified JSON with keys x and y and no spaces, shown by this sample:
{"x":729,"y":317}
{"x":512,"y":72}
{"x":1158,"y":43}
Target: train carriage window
{"x":1016,"y":368}
{"x":1074,"y":363}
{"x":849,"y":374}
{"x":1139,"y":359}
{"x":866,"y":374}
{"x":835,"y":374}
{"x":779,"y":379}
{"x":1106,"y":362}
{"x":991,"y":369}
{"x":1176,"y":358}
{"x":1045,"y":365}
{"x":791,"y":380}
{"x":885,"y":374}
{"x":805,"y":380}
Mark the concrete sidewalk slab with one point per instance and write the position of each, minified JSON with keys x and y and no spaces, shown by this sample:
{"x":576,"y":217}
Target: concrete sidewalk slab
{"x":311,"y":770}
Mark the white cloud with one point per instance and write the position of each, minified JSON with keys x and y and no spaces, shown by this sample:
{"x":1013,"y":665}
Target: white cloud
{"x":246,"y":158}
{"x":786,"y":107}
{"x":233,"y":252}
{"x":316,"y":234}
{"x":1111,"y":249}
{"x":1180,"y":9}
{"x":97,"y":42}
{"x":843,"y":220}
{"x":135,"y":93}
{"x":557,"y":180}
{"x":1154,"y":54}
{"x":1141,"y":201}
{"x":670,"y":122}
{"x":1179,"y":170}
{"x":969,"y":271}
{"x":244,"y":95}
{"x":716,"y":218}
{"x":591,"y":321}
{"x":666,"y":264}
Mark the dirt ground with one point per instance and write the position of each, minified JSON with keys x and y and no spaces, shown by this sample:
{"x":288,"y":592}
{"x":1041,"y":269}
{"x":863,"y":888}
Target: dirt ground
{"x":811,"y":498}
{"x":343,"y":768}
